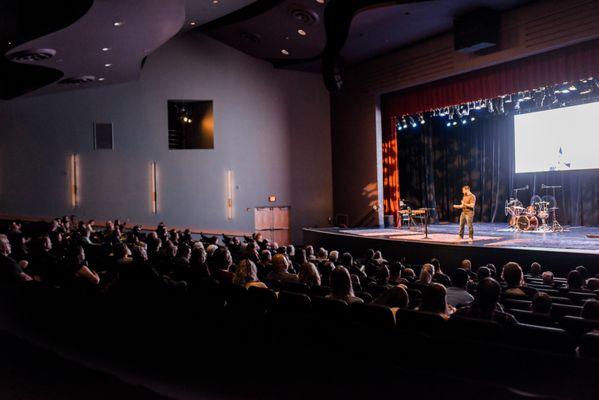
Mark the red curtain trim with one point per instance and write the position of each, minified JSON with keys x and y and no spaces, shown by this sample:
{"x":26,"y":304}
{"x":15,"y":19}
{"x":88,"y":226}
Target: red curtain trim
{"x":567,"y":64}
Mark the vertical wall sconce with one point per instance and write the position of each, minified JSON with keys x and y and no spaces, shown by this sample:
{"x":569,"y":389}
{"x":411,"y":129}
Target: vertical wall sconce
{"x":154,"y":173}
{"x":229,"y":195}
{"x":74,"y":181}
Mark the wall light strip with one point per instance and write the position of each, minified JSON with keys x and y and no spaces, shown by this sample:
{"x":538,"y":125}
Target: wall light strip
{"x":74,"y":181}
{"x":229,"y":194}
{"x":154,"y":187}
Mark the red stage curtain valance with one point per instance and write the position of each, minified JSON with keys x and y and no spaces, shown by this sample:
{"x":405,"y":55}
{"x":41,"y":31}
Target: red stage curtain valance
{"x":567,"y":64}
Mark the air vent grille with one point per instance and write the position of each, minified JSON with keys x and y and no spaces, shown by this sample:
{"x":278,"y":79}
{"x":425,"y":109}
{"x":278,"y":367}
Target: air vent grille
{"x":78,"y":80}
{"x":32,"y":55}
{"x":103,"y":139}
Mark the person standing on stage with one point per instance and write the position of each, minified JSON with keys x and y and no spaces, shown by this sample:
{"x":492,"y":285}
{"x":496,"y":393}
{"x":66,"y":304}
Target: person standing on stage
{"x":467,"y":215}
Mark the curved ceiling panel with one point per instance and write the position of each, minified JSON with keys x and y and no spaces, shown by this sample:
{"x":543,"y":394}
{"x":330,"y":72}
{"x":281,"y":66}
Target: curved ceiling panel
{"x":107,"y":44}
{"x":22,"y":21}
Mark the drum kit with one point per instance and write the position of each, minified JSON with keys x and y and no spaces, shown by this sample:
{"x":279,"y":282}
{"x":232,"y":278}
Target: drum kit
{"x":534,"y":217}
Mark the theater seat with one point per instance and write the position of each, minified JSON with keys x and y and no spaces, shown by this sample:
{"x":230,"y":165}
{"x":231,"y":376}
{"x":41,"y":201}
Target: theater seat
{"x":297,"y":287}
{"x":578,"y":326}
{"x":372,"y":315}
{"x":560,"y":310}
{"x":260,"y":299}
{"x":516,"y":304}
{"x":528,"y":317}
{"x":367,"y":297}
{"x":415,"y":297}
{"x":320,"y":291}
{"x":429,"y":323}
{"x":474,"y":329}
{"x":231,"y":294}
{"x":541,"y":338}
{"x":291,"y":302}
{"x":330,"y":309}
{"x":589,"y":345}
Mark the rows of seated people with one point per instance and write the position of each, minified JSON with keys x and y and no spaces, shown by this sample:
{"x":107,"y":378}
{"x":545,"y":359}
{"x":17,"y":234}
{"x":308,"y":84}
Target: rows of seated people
{"x":77,"y":256}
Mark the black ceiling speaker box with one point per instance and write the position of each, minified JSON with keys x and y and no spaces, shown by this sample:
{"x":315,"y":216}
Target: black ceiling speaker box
{"x":476,"y":30}
{"x":103,"y":136}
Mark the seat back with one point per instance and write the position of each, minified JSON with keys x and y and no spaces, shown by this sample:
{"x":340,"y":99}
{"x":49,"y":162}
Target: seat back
{"x":420,"y":321}
{"x":372,"y":315}
{"x":528,"y":317}
{"x":474,"y":329}
{"x":297,"y":287}
{"x":560,"y":310}
{"x":578,"y":326}
{"x":541,"y":338}
{"x":330,"y":309}
{"x":367,"y":297}
{"x":320,"y":291}
{"x":260,"y":299}
{"x":589,"y":345}
{"x":516,"y":304}
{"x":291,"y":302}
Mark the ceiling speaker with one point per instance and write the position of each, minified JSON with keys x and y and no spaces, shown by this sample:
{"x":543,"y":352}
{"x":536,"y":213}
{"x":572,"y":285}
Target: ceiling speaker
{"x":304,"y":16}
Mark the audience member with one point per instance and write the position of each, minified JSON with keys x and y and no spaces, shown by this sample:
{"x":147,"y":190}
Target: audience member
{"x":341,"y":286}
{"x":457,"y":295}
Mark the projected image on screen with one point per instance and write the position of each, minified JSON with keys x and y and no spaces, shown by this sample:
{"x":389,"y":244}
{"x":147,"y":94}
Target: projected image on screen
{"x":563,"y":139}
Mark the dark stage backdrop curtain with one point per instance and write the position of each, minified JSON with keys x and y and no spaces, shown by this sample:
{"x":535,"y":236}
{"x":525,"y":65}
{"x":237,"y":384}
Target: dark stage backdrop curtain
{"x":435,"y":161}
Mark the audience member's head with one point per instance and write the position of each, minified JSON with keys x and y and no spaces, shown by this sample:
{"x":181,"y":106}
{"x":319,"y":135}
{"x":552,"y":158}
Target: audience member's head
{"x":409,"y":274}
{"x":309,"y":274}
{"x":245,"y":272}
{"x":347,"y":260}
{"x":466,"y":264}
{"x":535,"y":269}
{"x":322,"y":254}
{"x":396,"y":297}
{"x":437,"y":264}
{"x":590,"y":310}
{"x":221,"y":259}
{"x":512,"y":274}
{"x":575,"y":280}
{"x":425,"y":277}
{"x":593,"y":284}
{"x":184,"y":251}
{"x":541,"y":303}
{"x":280,"y":263}
{"x":430,"y":268}
{"x":382,"y":275}
{"x":583,"y":271}
{"x":482,"y":273}
{"x":4,"y":245}
{"x":434,"y":299}
{"x":341,"y":284}
{"x":487,"y":294}
{"x":459,"y":278}
{"x":547,"y":277}
{"x":333,"y":256}
{"x":395,"y":271}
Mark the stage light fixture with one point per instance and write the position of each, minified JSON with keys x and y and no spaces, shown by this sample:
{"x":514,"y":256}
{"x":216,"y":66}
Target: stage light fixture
{"x":526,"y":96}
{"x":421,"y":119}
{"x":508,"y":99}
{"x":454,"y":123}
{"x":412,"y":122}
{"x":448,"y":124}
{"x":464,"y":122}
{"x":472,"y":119}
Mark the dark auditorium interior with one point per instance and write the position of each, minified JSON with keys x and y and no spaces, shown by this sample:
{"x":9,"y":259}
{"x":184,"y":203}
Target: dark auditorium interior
{"x":299,"y":199}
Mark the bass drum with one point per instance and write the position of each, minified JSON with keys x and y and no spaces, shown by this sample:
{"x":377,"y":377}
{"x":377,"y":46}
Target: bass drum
{"x":526,"y":223}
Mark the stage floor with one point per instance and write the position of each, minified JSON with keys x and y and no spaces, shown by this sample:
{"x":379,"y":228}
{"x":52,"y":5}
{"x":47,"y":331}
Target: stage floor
{"x":574,"y":239}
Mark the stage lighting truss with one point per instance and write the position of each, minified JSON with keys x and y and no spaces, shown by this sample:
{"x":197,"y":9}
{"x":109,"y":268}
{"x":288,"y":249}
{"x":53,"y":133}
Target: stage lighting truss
{"x":545,"y":97}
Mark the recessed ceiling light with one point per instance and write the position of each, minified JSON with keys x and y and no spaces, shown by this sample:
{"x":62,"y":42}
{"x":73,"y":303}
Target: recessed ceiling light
{"x":108,"y":65}
{"x":105,"y":48}
{"x":302,"y":32}
{"x":285,"y":51}
{"x":214,"y":1}
{"x":101,"y":79}
{"x":118,"y":23}
{"x":193,"y":23}
{"x":320,"y":1}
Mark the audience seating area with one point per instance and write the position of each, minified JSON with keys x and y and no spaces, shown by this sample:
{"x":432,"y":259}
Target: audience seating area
{"x":142,"y":302}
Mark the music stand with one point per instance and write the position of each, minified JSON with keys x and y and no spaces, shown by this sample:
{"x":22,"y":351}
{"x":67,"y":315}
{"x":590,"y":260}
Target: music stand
{"x":426,"y":216}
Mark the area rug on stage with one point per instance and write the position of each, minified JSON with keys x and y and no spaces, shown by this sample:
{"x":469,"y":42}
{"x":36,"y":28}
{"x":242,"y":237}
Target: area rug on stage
{"x":442,"y":238}
{"x":373,"y":232}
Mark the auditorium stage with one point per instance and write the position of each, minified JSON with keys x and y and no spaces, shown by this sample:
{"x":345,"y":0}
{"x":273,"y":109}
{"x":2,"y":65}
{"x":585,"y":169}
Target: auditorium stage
{"x":493,"y":243}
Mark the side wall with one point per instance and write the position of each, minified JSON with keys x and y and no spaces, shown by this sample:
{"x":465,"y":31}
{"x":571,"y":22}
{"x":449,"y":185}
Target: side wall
{"x":272,"y":129}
